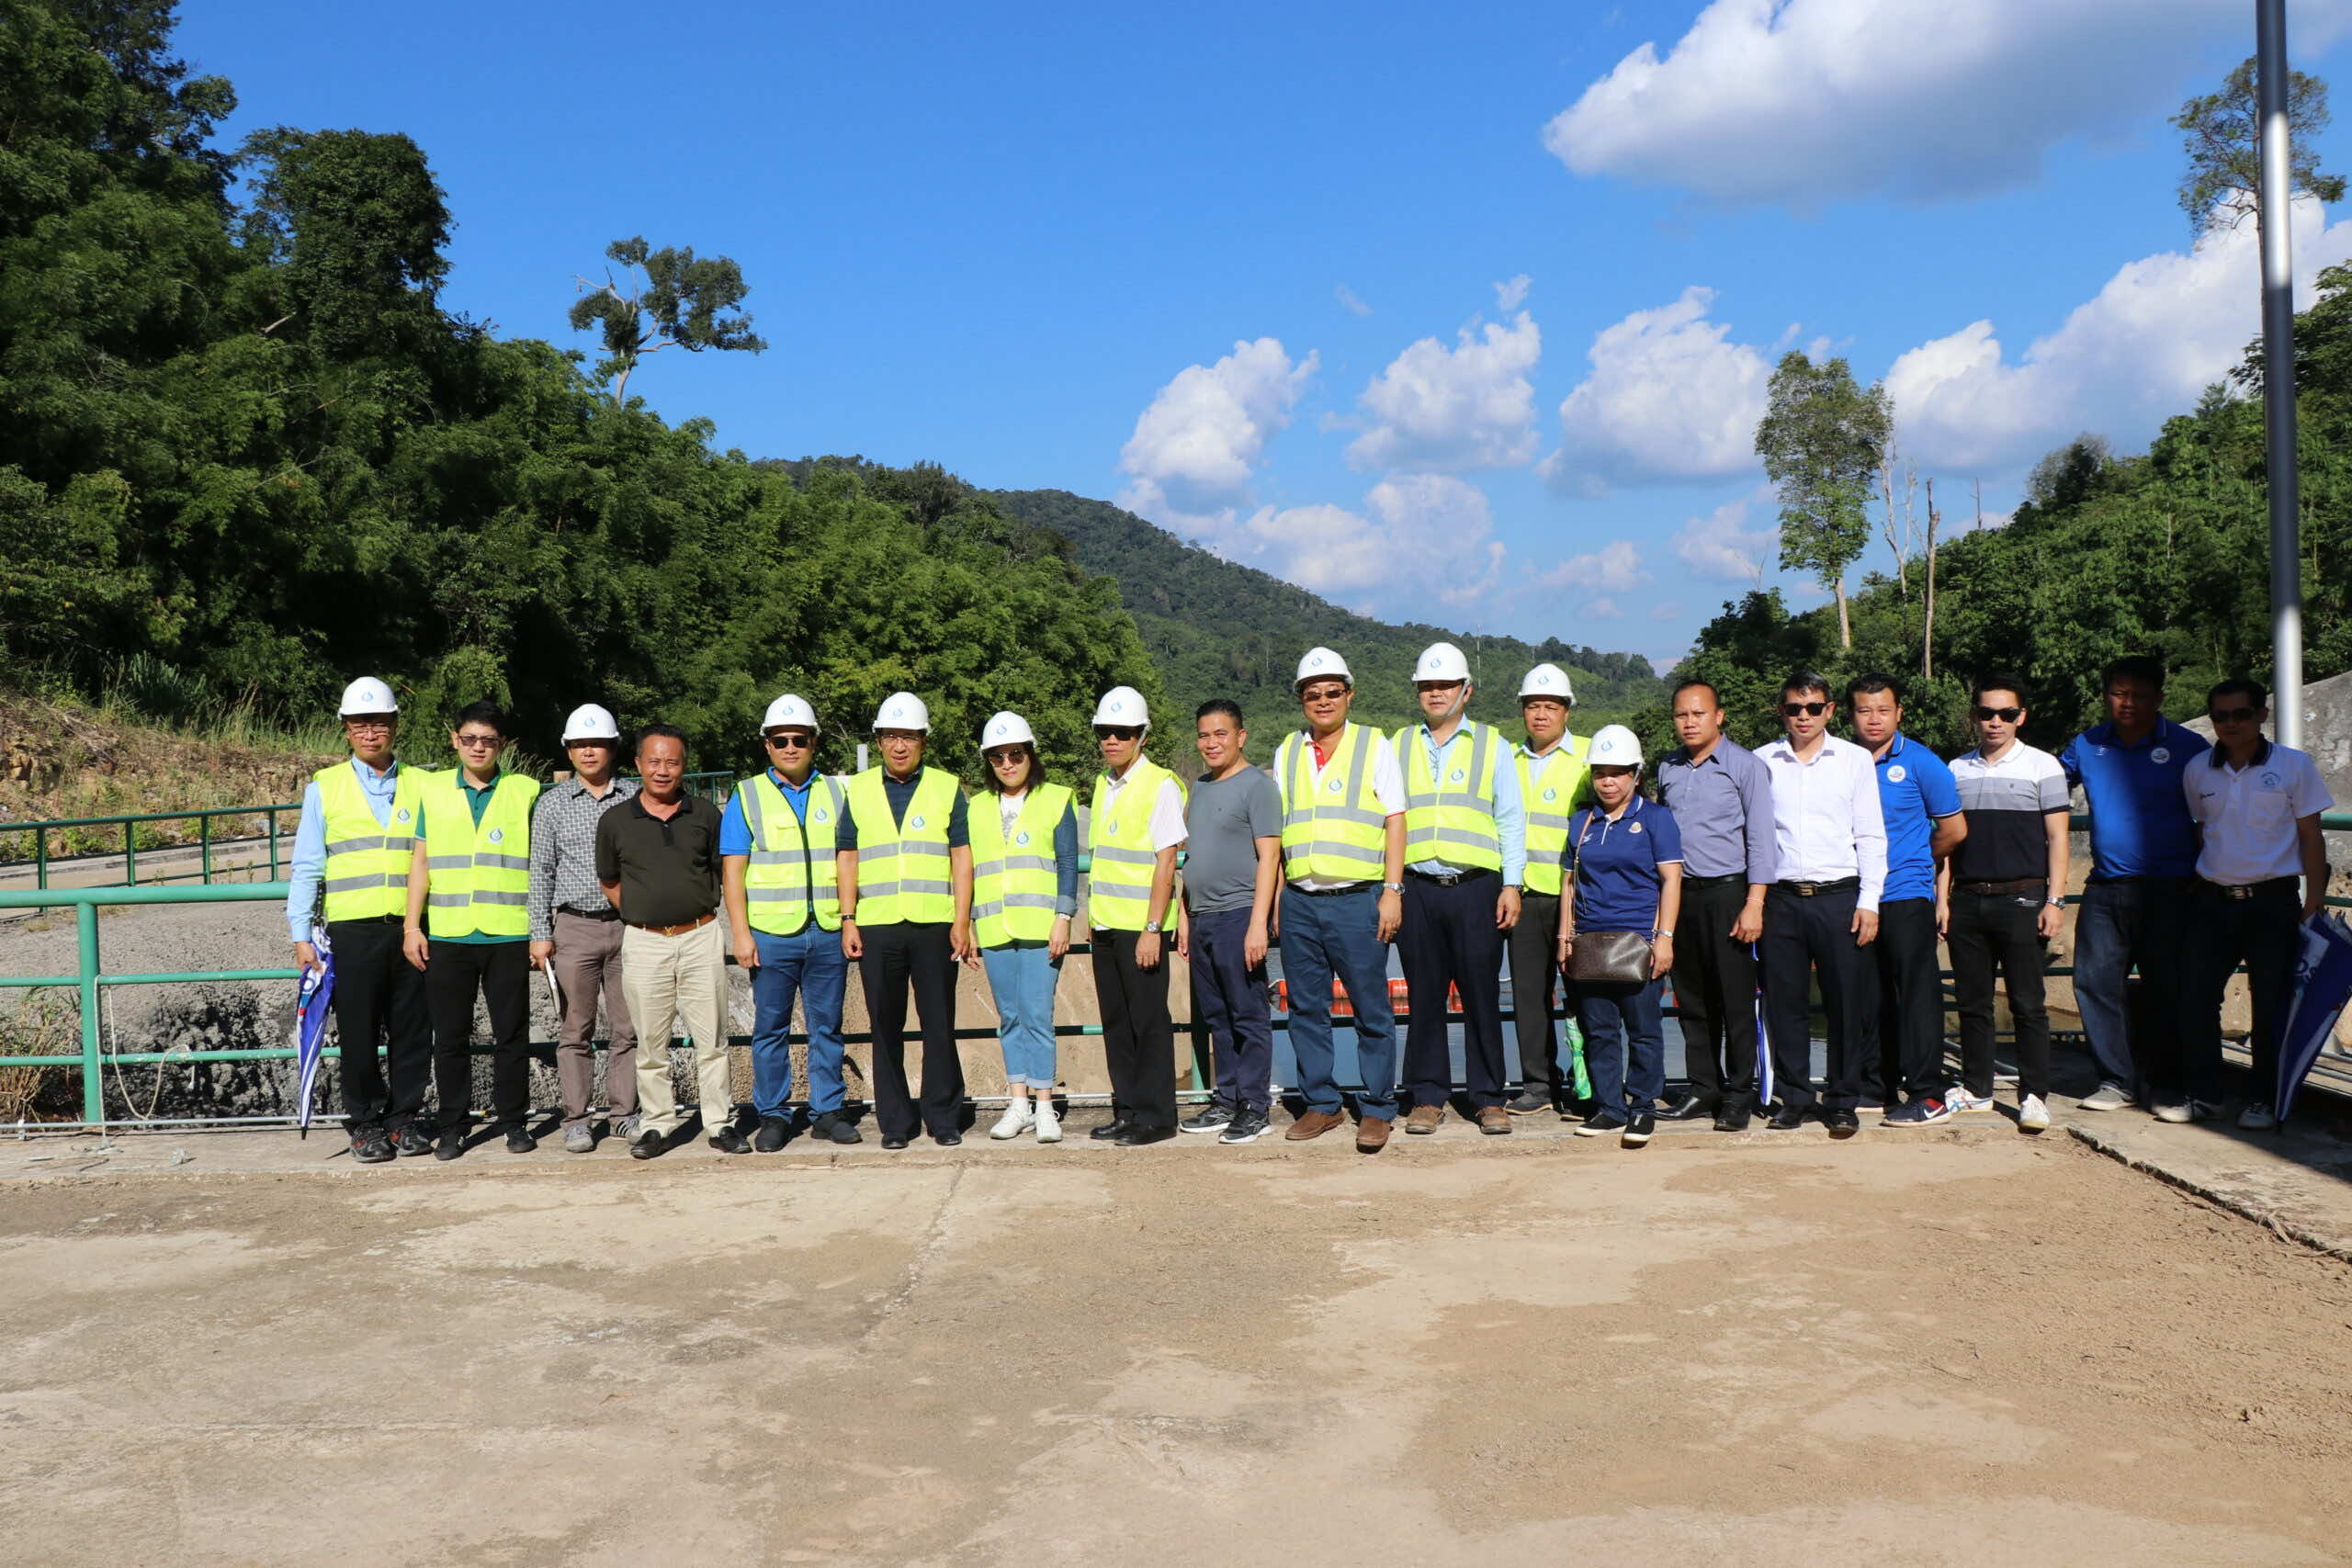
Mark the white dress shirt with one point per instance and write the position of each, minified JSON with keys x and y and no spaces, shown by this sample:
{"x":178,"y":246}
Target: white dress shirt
{"x":1825,"y":815}
{"x":2249,"y":813}
{"x":1167,"y":807}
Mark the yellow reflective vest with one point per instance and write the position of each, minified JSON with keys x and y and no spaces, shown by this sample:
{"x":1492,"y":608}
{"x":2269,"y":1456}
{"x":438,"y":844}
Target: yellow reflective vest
{"x":790,"y":873}
{"x":1551,"y":788}
{"x":367,"y":869}
{"x":903,"y":871}
{"x":478,"y":875}
{"x":1118,"y":882}
{"x":1336,"y":829}
{"x":1013,"y":878}
{"x":1450,"y":818}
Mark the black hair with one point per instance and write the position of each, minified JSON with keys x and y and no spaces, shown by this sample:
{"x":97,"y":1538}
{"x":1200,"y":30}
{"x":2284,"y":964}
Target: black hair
{"x":1224,"y":705}
{"x":1708,"y":686}
{"x":2140,"y":667}
{"x":484,"y":712}
{"x":2239,"y":685}
{"x":660,"y":732}
{"x":1999,"y":681}
{"x":1036,"y":776}
{"x":1862,"y":685}
{"x":1805,"y":681}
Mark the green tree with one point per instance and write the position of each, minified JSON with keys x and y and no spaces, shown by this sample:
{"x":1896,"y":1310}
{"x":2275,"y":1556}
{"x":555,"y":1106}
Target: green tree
{"x":2222,"y":134}
{"x":1821,"y":438}
{"x":356,"y":222}
{"x":682,"y":304}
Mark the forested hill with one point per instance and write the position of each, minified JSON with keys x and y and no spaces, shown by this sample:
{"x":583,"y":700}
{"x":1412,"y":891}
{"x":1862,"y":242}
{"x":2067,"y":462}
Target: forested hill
{"x":1216,"y":628}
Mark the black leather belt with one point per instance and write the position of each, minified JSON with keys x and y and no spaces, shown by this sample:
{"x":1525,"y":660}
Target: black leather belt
{"x":2037,"y":886}
{"x":1811,"y":889}
{"x":1448,"y":878}
{"x":1327,"y":892}
{"x":2240,"y":890}
{"x":1724,"y":880}
{"x":588,"y":914}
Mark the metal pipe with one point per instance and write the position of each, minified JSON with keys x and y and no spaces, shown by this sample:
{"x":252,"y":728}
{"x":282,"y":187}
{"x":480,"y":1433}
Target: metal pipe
{"x":2278,"y":375}
{"x":93,"y":1086}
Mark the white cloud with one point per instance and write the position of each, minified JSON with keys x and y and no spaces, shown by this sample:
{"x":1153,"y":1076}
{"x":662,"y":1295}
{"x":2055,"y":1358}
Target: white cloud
{"x":1615,"y":568}
{"x":1670,"y":398}
{"x":1470,"y":406}
{"x":1509,"y":296}
{"x":1603,"y":610}
{"x":1722,"y":546}
{"x":1418,"y":535}
{"x":1194,"y":448}
{"x":1348,"y":302}
{"x":1807,"y":101}
{"x":2162,"y":328}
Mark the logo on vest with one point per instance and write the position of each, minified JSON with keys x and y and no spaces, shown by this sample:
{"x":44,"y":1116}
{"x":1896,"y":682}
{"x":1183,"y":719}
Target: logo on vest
{"x":498,"y":835}
{"x":2160,"y":756}
{"x":1454,"y":776}
{"x":916,"y":823}
{"x":1332,"y":787}
{"x":1022,"y":839}
{"x":819,"y":816}
{"x":402,"y":815}
{"x":1551,"y":795}
{"x":1896,"y":774}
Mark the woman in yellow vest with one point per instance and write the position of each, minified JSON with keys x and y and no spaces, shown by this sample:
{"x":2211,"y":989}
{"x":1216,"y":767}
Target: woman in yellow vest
{"x":470,"y":927}
{"x":1133,"y":832}
{"x":1024,"y":891}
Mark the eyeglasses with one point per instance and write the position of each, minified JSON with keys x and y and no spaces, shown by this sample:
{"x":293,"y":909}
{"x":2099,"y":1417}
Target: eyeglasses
{"x":471,"y":741}
{"x":2006,"y":716}
{"x":1117,"y":732}
{"x":1323,"y":694}
{"x":362,"y":726}
{"x":2232,"y":715}
{"x":791,"y":742}
{"x":1810,"y":710}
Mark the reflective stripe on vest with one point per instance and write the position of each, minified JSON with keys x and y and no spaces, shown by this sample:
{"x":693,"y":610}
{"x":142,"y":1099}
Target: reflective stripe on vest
{"x":1551,"y":793}
{"x":790,"y":859}
{"x":478,"y":875}
{"x":367,"y":869}
{"x":903,"y":872}
{"x":1450,"y":818}
{"x":1334,"y":829}
{"x":1012,"y":882}
{"x":1118,"y":883}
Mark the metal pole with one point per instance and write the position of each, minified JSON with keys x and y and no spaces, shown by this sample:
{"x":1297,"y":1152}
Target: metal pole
{"x":2278,"y":375}
{"x":93,"y":1083}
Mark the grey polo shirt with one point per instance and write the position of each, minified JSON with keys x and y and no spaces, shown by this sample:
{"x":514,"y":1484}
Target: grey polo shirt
{"x":1723,"y":807}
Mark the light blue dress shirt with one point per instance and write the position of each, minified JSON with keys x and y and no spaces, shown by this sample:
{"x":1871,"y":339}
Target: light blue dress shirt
{"x":310,"y":842}
{"x":1510,"y":811}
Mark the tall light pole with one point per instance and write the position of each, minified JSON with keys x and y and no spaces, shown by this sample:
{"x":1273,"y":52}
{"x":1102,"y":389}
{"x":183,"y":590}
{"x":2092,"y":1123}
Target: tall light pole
{"x":2278,"y":375}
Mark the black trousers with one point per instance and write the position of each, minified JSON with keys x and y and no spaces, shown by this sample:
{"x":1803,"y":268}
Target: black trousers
{"x":1804,"y":937}
{"x":904,"y":955}
{"x":1534,"y":979}
{"x":1714,"y":994}
{"x":1903,"y":1033}
{"x":2264,"y":933}
{"x":501,"y":973}
{"x":1229,"y":998}
{"x":1991,"y":929}
{"x":380,"y":998}
{"x":1139,"y":1042}
{"x":1449,"y":938}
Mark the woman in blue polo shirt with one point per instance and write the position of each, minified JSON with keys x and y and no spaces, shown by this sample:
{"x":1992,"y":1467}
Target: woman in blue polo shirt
{"x":1623,"y":871}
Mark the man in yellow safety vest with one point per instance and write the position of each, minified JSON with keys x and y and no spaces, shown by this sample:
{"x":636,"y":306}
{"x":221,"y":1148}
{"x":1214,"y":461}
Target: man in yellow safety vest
{"x":1551,"y":786}
{"x":1133,"y":826}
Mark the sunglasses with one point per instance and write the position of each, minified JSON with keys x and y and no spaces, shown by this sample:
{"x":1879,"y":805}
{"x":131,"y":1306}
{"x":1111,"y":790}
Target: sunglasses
{"x":1323,"y":694}
{"x":791,"y":742}
{"x":472,"y":741}
{"x":2006,"y":716}
{"x":1810,"y":710}
{"x":2231,"y":716}
{"x":1117,"y":732}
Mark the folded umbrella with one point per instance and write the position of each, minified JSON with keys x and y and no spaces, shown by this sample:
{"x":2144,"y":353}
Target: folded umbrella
{"x":2322,"y":985}
{"x":310,"y":1013}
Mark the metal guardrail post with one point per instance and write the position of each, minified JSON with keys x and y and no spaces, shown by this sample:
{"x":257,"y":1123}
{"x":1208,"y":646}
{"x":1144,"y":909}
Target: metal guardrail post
{"x":129,"y":853}
{"x":204,"y":837}
{"x":93,"y":1083}
{"x":270,"y":818}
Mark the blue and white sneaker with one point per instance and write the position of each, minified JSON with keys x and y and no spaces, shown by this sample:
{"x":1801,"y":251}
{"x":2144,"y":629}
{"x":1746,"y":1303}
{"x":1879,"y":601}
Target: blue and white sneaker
{"x":1923,"y":1111}
{"x":1961,"y":1100}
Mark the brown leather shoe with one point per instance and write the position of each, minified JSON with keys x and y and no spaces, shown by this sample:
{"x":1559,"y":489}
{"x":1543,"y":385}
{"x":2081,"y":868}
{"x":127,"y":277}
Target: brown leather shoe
{"x":1424,"y":1120}
{"x":1314,"y":1125}
{"x":1371,"y":1135}
{"x":1493,"y":1118}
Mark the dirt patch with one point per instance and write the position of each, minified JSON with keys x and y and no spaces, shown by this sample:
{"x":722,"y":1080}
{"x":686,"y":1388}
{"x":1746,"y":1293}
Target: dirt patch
{"x":1974,"y":1349}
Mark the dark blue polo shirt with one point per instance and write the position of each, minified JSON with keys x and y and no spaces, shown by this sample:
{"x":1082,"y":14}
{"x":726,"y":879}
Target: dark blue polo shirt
{"x":1615,"y":864}
{"x":1915,"y":787}
{"x":2140,"y":820}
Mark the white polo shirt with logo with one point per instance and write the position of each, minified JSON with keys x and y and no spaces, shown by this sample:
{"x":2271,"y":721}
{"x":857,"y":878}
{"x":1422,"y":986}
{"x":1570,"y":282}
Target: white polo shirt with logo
{"x":2249,"y":813}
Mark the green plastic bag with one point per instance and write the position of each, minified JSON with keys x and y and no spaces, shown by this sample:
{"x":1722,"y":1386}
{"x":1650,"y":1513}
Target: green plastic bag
{"x":1572,"y":1039}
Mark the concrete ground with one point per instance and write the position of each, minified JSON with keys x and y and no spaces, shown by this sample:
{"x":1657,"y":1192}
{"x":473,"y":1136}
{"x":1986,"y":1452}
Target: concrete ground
{"x":1956,"y":1345}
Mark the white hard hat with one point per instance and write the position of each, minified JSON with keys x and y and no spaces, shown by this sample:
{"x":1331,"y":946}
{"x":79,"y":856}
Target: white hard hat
{"x":1615,"y":747}
{"x":1442,"y":662}
{"x":368,"y":695}
{"x":1322,"y":664}
{"x":903,"y":710}
{"x":789,"y":709}
{"x":1548,"y":681}
{"x":589,"y":722}
{"x":1123,"y":705}
{"x":1006,"y":730}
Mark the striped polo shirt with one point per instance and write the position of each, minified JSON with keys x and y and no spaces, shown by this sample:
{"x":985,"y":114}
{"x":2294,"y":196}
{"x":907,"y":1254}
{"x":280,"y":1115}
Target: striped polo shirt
{"x":2007,"y":801}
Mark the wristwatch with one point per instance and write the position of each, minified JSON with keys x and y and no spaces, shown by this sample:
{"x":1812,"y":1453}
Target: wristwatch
{"x":2056,"y":902}
{"x":1392,"y":888}
{"x":1152,"y":926}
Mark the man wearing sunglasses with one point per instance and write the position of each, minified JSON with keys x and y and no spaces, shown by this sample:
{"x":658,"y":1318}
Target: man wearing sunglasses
{"x":1135,"y":826}
{"x":2001,"y":894}
{"x":777,"y":843}
{"x":1822,"y":910}
{"x":2260,"y":804}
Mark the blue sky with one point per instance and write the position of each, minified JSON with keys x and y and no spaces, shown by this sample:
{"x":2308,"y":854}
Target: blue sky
{"x":1461,"y":317}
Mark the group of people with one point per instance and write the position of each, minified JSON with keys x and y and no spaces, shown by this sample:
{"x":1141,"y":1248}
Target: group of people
{"x":1746,"y":878}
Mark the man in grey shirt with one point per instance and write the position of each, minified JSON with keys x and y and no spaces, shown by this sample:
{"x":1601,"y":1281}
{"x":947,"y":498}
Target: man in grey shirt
{"x":1721,"y":794}
{"x":1233,"y":822}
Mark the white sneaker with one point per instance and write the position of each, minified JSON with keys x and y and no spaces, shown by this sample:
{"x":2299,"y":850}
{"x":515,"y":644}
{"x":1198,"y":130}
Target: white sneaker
{"x":1049,"y":1126}
{"x":2032,"y":1115}
{"x":1961,"y":1100}
{"x":2258,"y":1117}
{"x":2181,"y":1112}
{"x":2111,"y":1097}
{"x":1017,"y":1119}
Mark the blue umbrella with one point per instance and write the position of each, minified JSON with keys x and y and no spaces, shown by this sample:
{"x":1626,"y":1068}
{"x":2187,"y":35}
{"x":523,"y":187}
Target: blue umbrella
{"x":1764,"y":1085}
{"x":310,"y":1024}
{"x":2322,"y":985}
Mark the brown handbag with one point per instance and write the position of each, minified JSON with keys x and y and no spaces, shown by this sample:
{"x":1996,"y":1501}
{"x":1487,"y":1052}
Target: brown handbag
{"x":1610,"y":958}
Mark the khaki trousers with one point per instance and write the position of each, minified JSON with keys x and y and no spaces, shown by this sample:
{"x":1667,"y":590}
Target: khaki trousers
{"x":678,"y":981}
{"x":587,"y":965}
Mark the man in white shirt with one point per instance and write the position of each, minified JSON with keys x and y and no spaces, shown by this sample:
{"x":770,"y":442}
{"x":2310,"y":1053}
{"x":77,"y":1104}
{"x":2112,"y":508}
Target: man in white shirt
{"x":1134,"y":828}
{"x":2259,"y":806}
{"x":1831,"y":836}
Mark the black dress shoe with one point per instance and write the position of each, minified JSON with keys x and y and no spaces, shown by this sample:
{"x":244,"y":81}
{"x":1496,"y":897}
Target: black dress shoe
{"x":727,"y":1140}
{"x":947,"y":1139}
{"x":449,"y":1144}
{"x":519,"y":1141}
{"x":1842,"y":1123}
{"x":889,"y":1142}
{"x":1786,"y":1119}
{"x":649,"y":1145}
{"x":1135,"y":1137}
{"x":1684,"y":1107}
{"x":1731,"y":1119}
{"x":773,"y":1132}
{"x":1116,"y":1128}
{"x":834,"y":1128}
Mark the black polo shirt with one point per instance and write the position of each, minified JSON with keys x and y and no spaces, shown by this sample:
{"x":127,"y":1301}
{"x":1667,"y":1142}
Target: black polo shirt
{"x":668,"y":871}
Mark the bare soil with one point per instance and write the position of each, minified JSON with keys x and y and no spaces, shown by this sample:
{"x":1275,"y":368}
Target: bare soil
{"x":1960,"y":1346}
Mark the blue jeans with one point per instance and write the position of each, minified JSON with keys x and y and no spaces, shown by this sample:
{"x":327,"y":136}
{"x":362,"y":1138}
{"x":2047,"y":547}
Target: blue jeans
{"x":1022,"y":978}
{"x":1624,"y":1044}
{"x":1325,"y":934}
{"x":807,"y":962}
{"x":2121,"y":923}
